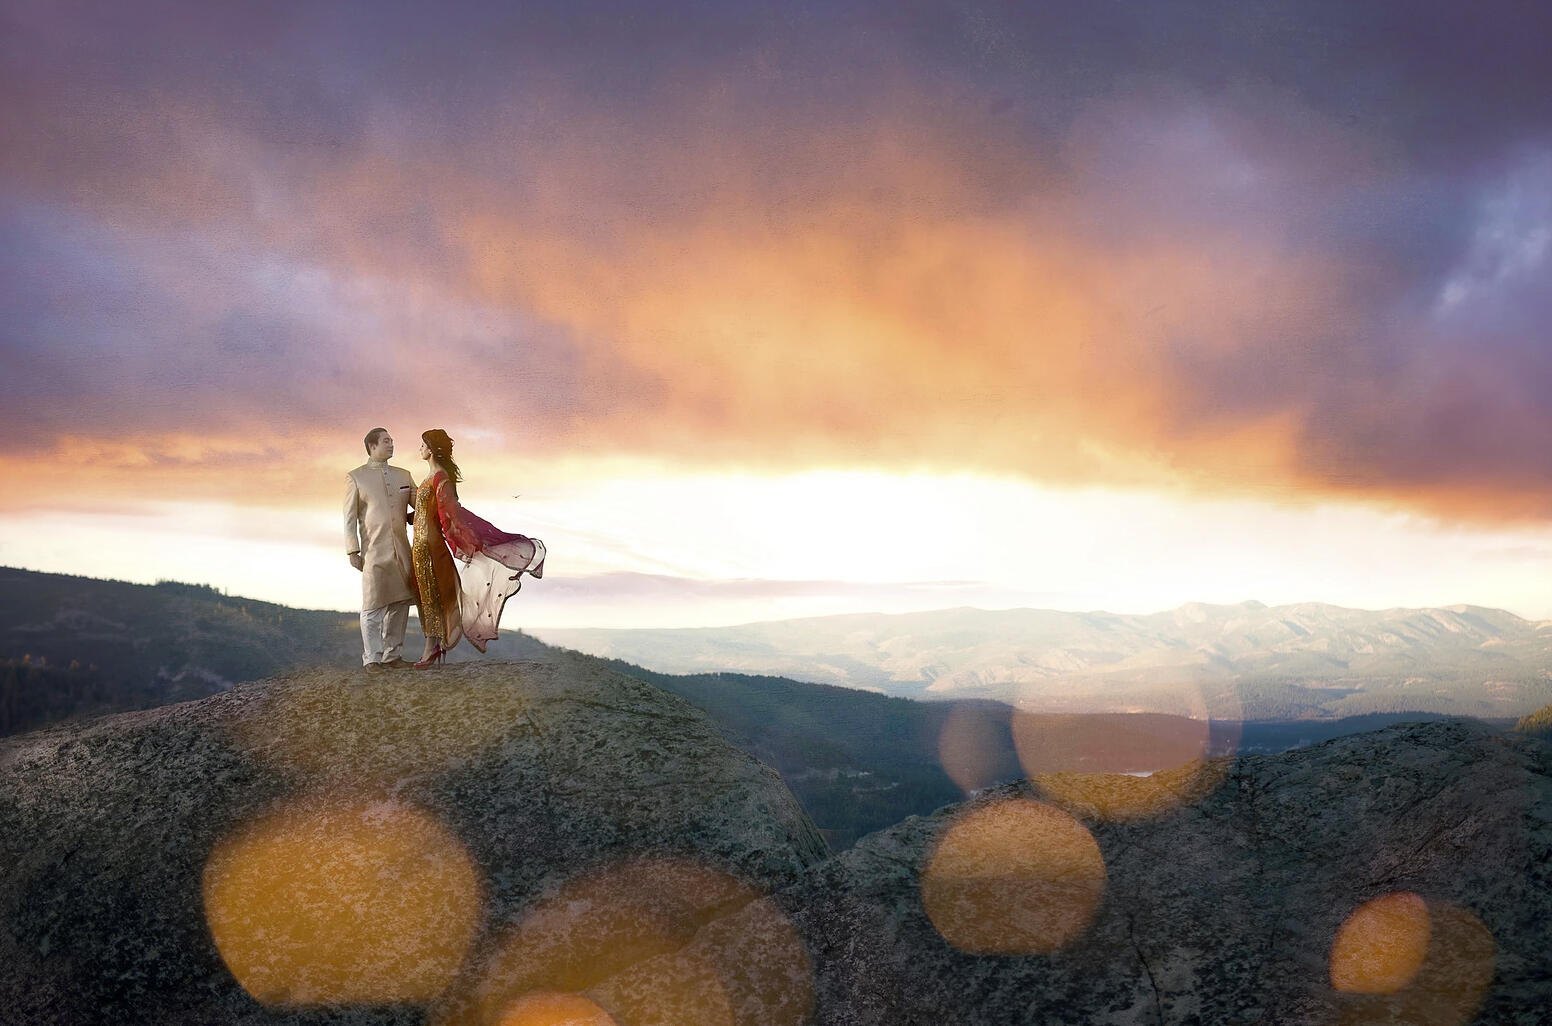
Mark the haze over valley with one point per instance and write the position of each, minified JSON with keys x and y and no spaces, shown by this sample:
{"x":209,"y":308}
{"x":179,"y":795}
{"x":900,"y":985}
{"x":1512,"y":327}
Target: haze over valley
{"x":1244,"y":661}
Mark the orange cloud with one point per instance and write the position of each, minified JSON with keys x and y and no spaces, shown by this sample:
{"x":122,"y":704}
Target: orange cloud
{"x":887,"y":283}
{"x":912,"y":329}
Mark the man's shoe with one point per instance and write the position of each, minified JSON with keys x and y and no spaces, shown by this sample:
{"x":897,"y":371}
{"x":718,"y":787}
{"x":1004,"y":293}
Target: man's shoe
{"x":399,"y":664}
{"x":375,"y":667}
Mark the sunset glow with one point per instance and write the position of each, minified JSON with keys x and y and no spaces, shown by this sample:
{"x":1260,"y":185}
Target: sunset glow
{"x":646,"y":546}
{"x":753,"y":315}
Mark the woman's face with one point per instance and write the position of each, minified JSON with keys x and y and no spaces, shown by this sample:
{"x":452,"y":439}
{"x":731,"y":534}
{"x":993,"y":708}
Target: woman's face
{"x":425,"y":451}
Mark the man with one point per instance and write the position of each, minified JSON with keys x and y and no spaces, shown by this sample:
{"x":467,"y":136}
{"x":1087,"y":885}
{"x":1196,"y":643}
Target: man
{"x":377,"y":502}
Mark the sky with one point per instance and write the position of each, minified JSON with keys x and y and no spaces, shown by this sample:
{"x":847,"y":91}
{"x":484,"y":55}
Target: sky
{"x":752,"y":311}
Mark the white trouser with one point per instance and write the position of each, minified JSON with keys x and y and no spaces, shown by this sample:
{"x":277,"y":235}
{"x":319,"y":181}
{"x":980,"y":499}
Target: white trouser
{"x":382,"y":632}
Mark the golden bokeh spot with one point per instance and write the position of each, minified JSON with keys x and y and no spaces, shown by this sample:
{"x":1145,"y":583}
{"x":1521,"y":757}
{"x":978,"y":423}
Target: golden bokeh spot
{"x":975,"y":746}
{"x":340,"y":900}
{"x":1107,"y":742}
{"x":1446,"y":989}
{"x":1120,"y":797}
{"x":748,"y":968}
{"x":1123,"y":766}
{"x":1017,"y":877}
{"x":655,"y":940}
{"x":686,"y":988}
{"x":382,"y":729}
{"x":1381,"y":946}
{"x":547,"y":1008}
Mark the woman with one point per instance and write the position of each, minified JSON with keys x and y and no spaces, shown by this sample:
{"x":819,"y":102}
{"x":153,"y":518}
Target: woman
{"x":457,"y":603}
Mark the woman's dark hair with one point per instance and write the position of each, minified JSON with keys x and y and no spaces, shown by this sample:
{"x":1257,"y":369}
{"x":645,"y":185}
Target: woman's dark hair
{"x":442,"y":451}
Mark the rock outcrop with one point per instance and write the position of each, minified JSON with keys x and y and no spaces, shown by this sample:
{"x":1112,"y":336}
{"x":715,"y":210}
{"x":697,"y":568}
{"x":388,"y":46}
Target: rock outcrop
{"x":1227,"y":909}
{"x":511,"y":844}
{"x":359,"y":847}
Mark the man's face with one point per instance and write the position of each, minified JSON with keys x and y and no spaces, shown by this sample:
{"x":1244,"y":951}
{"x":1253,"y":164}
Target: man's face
{"x":382,"y":449}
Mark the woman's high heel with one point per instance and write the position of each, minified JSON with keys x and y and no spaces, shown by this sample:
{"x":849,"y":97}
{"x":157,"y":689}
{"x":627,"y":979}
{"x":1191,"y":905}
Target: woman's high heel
{"x":431,"y":660}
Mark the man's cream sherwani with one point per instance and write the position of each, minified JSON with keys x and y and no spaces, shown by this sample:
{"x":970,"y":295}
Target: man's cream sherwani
{"x":377,"y":499}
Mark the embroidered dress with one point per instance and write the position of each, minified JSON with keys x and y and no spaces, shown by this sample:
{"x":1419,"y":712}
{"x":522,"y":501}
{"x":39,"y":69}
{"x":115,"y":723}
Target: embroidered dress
{"x":436,"y":582}
{"x":465,"y":599}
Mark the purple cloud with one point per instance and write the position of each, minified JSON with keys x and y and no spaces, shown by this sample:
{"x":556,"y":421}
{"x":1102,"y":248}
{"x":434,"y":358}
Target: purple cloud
{"x":215,"y":216}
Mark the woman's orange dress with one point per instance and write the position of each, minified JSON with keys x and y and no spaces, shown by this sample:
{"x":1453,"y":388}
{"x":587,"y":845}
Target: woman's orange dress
{"x":436,"y":579}
{"x":458,"y":602}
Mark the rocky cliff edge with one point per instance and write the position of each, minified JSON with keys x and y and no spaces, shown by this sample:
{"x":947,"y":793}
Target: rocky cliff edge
{"x":529,"y":844}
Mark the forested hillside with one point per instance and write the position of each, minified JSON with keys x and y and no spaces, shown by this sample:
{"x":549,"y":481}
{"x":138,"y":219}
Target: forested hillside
{"x":76,"y":646}
{"x":858,"y":761}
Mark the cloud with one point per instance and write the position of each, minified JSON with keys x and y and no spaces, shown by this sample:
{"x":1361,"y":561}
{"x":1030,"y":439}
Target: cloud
{"x":637,"y":586}
{"x":663,"y":600}
{"x":1283,"y":248}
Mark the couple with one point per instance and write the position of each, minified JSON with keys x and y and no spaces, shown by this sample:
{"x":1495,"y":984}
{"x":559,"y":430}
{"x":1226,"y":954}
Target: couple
{"x":455,"y":602}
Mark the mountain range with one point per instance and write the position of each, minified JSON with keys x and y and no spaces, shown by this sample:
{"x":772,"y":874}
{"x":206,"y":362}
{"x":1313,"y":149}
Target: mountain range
{"x":1243,"y":661}
{"x":76,"y":647}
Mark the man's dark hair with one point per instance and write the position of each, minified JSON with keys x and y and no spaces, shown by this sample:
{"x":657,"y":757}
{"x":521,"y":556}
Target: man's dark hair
{"x":372,"y":436}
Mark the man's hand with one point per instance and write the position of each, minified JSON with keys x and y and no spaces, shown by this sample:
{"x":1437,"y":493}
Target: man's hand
{"x":356,"y":560}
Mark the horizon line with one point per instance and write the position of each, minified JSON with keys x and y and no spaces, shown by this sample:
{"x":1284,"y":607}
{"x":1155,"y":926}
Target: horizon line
{"x":1254,"y":604}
